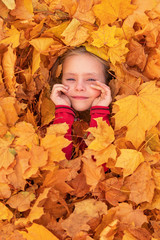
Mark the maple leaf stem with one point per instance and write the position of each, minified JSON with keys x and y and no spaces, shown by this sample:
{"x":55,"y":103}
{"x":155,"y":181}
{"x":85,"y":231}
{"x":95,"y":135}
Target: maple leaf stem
{"x":124,"y":83}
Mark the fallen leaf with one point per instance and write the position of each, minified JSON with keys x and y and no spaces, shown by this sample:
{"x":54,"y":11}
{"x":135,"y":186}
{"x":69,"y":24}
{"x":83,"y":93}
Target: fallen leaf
{"x":83,"y":212}
{"x":5,"y":213}
{"x":36,"y":231}
{"x":136,"y":108}
{"x":113,"y":10}
{"x":21,"y":201}
{"x":8,"y":62}
{"x":25,"y":134}
{"x":74,"y":34}
{"x":129,"y":160}
{"x":141,"y":184}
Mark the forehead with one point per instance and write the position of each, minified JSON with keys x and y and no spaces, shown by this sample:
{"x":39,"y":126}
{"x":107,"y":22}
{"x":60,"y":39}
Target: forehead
{"x":83,"y":63}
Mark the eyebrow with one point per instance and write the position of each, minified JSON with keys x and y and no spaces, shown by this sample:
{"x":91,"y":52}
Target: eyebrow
{"x":86,"y":74}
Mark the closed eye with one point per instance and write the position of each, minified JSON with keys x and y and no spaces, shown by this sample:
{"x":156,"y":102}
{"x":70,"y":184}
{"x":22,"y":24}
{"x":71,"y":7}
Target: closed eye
{"x":91,"y":80}
{"x":70,"y":79}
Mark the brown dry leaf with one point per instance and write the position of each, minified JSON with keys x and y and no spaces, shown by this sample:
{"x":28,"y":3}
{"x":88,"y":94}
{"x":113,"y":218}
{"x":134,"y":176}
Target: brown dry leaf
{"x":74,"y":34}
{"x":57,"y":179}
{"x":93,"y":173}
{"x":21,"y":201}
{"x":83,"y":212}
{"x":113,"y":10}
{"x":113,"y":190}
{"x":23,"y":10}
{"x":126,"y":214}
{"x":79,"y":185}
{"x":47,"y":111}
{"x":141,"y":184}
{"x":155,"y":204}
{"x":8,"y":63}
{"x":129,"y":160}
{"x":136,"y":55}
{"x":152,"y":67}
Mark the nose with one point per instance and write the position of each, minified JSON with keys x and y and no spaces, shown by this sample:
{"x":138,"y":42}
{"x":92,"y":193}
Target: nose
{"x":79,"y":86}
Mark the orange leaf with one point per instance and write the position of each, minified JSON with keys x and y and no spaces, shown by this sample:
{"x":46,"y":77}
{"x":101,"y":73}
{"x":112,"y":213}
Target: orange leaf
{"x":5,"y":213}
{"x":113,"y":9}
{"x":8,"y":63}
{"x":23,"y":10}
{"x":21,"y":201}
{"x":74,"y":34}
{"x":37,"y":231}
{"x":25,"y":134}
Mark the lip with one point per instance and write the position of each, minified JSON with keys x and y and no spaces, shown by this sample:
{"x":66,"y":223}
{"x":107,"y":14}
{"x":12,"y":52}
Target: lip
{"x":79,"y":97}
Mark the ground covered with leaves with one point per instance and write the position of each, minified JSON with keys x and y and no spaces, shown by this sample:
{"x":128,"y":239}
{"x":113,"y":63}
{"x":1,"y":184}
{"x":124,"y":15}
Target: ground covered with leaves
{"x":43,"y":195}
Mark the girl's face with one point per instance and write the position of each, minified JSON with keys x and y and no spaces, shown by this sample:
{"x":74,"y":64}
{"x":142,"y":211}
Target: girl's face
{"x":79,"y":72}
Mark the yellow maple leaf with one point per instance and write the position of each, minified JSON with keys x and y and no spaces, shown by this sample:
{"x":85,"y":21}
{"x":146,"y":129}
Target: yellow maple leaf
{"x":5,"y":213}
{"x":129,"y":160}
{"x":105,"y":35}
{"x":100,"y":52}
{"x":104,"y":135}
{"x":113,"y":9}
{"x":54,"y":141}
{"x":13,"y":36}
{"x":42,"y":44}
{"x":25,"y":134}
{"x":139,"y":112}
{"x":74,"y":34}
{"x":117,"y":53}
{"x":37,"y":231}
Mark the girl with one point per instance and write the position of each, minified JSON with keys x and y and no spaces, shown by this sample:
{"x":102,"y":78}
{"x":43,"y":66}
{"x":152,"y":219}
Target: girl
{"x":83,"y":87}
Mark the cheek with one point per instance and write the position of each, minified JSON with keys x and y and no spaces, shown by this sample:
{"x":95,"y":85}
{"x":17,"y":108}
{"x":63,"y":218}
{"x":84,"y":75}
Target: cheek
{"x":94,"y":93}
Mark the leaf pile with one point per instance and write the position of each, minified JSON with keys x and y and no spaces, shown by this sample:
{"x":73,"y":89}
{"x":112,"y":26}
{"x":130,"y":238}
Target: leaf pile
{"x":43,"y":195}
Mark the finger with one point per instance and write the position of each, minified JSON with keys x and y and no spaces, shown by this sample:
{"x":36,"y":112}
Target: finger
{"x":60,"y":86}
{"x":99,"y":88}
{"x":102,"y":85}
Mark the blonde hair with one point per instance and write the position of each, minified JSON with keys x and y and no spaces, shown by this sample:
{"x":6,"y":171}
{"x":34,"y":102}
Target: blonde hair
{"x":72,"y":52}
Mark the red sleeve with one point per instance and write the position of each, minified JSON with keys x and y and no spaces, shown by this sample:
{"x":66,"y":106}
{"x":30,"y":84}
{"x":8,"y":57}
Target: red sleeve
{"x":66,"y":114}
{"x":99,"y":111}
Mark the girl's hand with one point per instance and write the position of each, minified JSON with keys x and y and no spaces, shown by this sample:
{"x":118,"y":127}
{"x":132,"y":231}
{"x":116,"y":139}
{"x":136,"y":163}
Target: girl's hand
{"x":104,"y":98}
{"x":58,"y":95}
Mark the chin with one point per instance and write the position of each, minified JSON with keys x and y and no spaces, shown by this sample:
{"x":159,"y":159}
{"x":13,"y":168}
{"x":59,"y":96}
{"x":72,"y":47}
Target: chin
{"x":80,"y":108}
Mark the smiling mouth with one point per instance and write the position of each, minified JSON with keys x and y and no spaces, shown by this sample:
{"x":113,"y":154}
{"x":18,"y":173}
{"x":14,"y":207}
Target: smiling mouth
{"x":79,"y":97}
